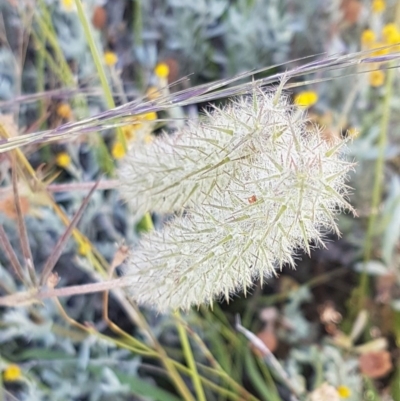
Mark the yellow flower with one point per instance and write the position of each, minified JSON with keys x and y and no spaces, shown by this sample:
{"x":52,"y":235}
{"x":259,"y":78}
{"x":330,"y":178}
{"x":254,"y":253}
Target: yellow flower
{"x":344,"y":391}
{"x":161,"y":70}
{"x":64,"y":110}
{"x":63,"y":159}
{"x":376,"y":78}
{"x":394,"y":40}
{"x":118,"y":150}
{"x":110,"y":58}
{"x":12,"y":373}
{"x":84,"y":248}
{"x":389,"y":30}
{"x":306,"y":98}
{"x":390,"y":34}
{"x":378,"y":6}
{"x":68,"y":5}
{"x":368,"y":37}
{"x":150,"y":116}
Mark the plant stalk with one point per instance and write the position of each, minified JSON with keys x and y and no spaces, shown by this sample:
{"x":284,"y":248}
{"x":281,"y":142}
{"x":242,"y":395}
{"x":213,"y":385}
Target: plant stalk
{"x":187,"y":351}
{"x":378,"y":183}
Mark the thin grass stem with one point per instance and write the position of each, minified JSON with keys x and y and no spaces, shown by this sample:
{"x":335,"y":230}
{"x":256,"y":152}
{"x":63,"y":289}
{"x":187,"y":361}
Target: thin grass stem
{"x":378,"y":184}
{"x":99,"y":65}
{"x":187,"y":351}
{"x":23,"y":234}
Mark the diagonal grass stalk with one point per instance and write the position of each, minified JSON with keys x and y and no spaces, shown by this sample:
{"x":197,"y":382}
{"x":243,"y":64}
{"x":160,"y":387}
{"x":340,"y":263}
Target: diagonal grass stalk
{"x":203,"y":93}
{"x":60,"y":67}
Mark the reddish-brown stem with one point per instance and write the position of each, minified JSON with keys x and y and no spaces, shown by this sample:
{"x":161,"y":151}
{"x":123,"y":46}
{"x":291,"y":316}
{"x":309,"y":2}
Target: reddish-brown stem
{"x":23,"y":298}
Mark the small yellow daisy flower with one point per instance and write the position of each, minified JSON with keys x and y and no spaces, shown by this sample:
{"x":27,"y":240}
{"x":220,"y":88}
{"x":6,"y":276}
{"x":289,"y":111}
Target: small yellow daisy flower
{"x":110,"y":58}
{"x":161,"y":70}
{"x":376,"y":78}
{"x":84,"y":248}
{"x":63,"y":159}
{"x":64,"y":110}
{"x":378,"y":6}
{"x":344,"y":391}
{"x":368,"y":37}
{"x":12,"y":373}
{"x":306,"y":98}
{"x":118,"y":150}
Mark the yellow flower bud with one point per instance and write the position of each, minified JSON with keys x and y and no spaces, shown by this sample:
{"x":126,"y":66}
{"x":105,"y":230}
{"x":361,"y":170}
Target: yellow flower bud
{"x":84,"y":248}
{"x":390,"y":34}
{"x":368,"y":37}
{"x":68,"y":5}
{"x":63,"y":159}
{"x":150,"y":116}
{"x":12,"y":373}
{"x":118,"y":150}
{"x":64,"y":111}
{"x":378,"y":6}
{"x":306,"y":98}
{"x":344,"y":391}
{"x":161,"y":70}
{"x":376,"y":78}
{"x":110,"y":58}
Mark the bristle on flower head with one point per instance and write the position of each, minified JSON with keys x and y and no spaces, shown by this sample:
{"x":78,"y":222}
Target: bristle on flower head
{"x":254,"y":148}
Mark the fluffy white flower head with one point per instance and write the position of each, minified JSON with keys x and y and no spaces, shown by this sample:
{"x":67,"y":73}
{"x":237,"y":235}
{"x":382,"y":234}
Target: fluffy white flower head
{"x":257,"y":184}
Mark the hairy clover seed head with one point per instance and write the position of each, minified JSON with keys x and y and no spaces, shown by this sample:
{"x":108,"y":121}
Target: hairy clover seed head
{"x":257,"y":183}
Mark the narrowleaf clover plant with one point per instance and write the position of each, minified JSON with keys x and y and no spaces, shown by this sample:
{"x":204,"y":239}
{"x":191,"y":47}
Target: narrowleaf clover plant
{"x":252,"y":183}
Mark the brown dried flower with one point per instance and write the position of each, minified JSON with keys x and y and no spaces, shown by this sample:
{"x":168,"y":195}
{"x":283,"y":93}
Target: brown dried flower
{"x":351,"y":10}
{"x":375,"y":364}
{"x":99,"y":18}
